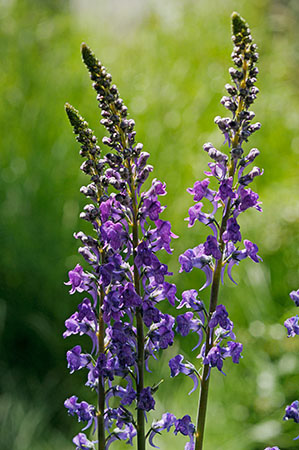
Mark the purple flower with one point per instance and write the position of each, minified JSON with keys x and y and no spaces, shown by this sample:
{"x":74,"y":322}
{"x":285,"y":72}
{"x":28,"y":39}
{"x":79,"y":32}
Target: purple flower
{"x":184,"y":426}
{"x":292,"y":412}
{"x":217,"y":170}
{"x":127,"y":433}
{"x":220,"y":317}
{"x":292,"y":326}
{"x":169,"y":291}
{"x":189,"y":299}
{"x":83,"y":322}
{"x":85,"y":311}
{"x":166,"y":334}
{"x":152,"y":208}
{"x":150,"y":313}
{"x":71,"y":404}
{"x":196,"y":257}
{"x":157,"y":188}
{"x":177,"y":366}
{"x":78,"y":279}
{"x":235,"y":256}
{"x":200,"y":190}
{"x":82,"y":443}
{"x":146,"y":401}
{"x":246,"y":179}
{"x":251,"y":250}
{"x":295,"y":297}
{"x":113,"y":234}
{"x":232,"y":232}
{"x":234,"y":350}
{"x":74,"y":325}
{"x":127,"y":395}
{"x":196,"y":214}
{"x":167,"y":421}
{"x":102,"y":369}
{"x":216,"y":155}
{"x":145,"y":256}
{"x":126,"y":356}
{"x":130,"y":297}
{"x":248,"y":199}
{"x":211,"y":247}
{"x":217,"y":354}
{"x":184,"y":322}
{"x":272,"y":448}
{"x":112,"y":306}
{"x":84,"y":411}
{"x":162,"y":235}
{"x":214,"y":358}
{"x":76,"y":360}
{"x":225,"y":190}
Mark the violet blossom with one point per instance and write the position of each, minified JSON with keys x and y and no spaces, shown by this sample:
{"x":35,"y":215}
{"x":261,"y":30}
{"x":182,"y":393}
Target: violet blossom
{"x":224,"y":189}
{"x":126,"y":281}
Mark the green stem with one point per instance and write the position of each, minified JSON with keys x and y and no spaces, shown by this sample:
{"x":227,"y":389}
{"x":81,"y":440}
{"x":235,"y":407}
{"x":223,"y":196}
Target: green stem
{"x":101,"y":397}
{"x":140,"y":332}
{"x":203,"y":400}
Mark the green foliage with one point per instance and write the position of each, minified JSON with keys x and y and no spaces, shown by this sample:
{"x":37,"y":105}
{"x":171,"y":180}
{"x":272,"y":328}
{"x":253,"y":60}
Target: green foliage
{"x":169,"y":60}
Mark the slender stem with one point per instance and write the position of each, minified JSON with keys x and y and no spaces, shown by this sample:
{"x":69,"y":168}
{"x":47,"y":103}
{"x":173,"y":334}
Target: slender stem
{"x":101,"y":396}
{"x":203,"y":400}
{"x":140,"y":331}
{"x":139,"y":321}
{"x":140,"y":363}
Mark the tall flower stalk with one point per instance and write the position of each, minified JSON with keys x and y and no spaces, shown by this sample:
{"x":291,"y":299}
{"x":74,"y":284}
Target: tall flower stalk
{"x":126,"y":280}
{"x":220,"y":251}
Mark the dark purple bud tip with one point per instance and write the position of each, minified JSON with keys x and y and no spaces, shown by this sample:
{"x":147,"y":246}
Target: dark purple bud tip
{"x":237,"y":152}
{"x":89,"y":57}
{"x":238,"y":24}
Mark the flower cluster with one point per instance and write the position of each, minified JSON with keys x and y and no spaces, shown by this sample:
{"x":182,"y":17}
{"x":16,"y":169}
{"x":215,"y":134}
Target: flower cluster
{"x":183,"y":426}
{"x":125,"y":281}
{"x":220,"y":200}
{"x":292,"y":326}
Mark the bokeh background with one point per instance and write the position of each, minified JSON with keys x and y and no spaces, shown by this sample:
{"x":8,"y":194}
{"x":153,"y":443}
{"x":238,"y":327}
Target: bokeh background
{"x":169,"y":59}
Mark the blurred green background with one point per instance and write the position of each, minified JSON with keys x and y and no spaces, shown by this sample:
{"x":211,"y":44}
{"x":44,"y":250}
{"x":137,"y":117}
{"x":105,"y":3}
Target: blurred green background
{"x":169,"y":59}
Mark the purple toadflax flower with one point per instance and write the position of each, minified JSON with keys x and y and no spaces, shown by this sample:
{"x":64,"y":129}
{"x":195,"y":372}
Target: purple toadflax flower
{"x":82,"y":443}
{"x":292,"y":412}
{"x":225,"y":189}
{"x":177,"y":366}
{"x":125,"y":281}
{"x":295,"y":297}
{"x":292,"y":326}
{"x":272,"y":448}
